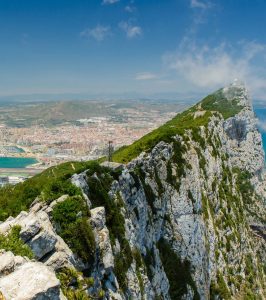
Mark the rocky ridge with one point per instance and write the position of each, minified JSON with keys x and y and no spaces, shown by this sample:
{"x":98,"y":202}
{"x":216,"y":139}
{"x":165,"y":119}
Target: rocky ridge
{"x":183,"y":220}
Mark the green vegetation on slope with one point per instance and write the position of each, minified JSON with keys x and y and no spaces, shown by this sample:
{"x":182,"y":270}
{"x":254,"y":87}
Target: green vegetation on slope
{"x":220,"y":288}
{"x":74,"y":285}
{"x":236,"y":196}
{"x":213,"y":103}
{"x":99,"y":186}
{"x":177,"y":271}
{"x":12,"y":242}
{"x":99,"y":181}
{"x":165,"y":133}
{"x":71,"y":217}
{"x":218,"y":102}
{"x":49,"y":185}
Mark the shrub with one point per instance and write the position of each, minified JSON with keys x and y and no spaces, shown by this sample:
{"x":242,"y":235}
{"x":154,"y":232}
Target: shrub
{"x":98,"y":194}
{"x":178,"y":150}
{"x":149,"y":194}
{"x":198,"y":138}
{"x":48,"y":185}
{"x":190,"y":196}
{"x":170,"y":178}
{"x":221,"y":288}
{"x":123,"y":261}
{"x":12,"y":242}
{"x":177,"y":271}
{"x":149,"y":261}
{"x":99,"y":181}
{"x":139,"y":263}
{"x":137,"y":257}
{"x":205,"y":206}
{"x":73,"y":284}
{"x":71,"y":218}
{"x":159,"y":183}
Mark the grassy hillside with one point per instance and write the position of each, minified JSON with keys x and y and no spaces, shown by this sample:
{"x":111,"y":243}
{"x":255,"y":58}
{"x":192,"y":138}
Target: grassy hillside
{"x":215,"y":102}
{"x":218,"y":102}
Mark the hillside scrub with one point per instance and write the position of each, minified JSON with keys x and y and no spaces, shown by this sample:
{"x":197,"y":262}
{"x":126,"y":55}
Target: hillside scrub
{"x":99,"y":181}
{"x":186,"y":120}
{"x":48,"y":185}
{"x":71,"y":219}
{"x":178,"y":272}
{"x":12,"y":242}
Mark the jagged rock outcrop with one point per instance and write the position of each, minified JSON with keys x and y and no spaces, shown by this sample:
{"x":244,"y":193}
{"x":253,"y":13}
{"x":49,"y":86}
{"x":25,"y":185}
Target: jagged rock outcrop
{"x":31,"y":280}
{"x":245,"y":142}
{"x":185,"y":219}
{"x":9,"y":262}
{"x":39,"y":234}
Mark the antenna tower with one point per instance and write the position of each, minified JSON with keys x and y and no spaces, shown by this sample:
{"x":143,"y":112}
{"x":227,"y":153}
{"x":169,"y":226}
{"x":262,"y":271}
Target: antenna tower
{"x":110,"y":150}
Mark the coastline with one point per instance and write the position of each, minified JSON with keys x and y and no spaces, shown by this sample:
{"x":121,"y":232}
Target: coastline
{"x":35,"y":165}
{"x":25,"y":172}
{"x":12,"y":162}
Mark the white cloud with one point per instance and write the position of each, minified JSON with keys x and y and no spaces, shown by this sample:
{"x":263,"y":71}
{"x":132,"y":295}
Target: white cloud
{"x":130,"y":30}
{"x":200,"y":4}
{"x":99,"y":33}
{"x":201,"y":9}
{"x":145,"y":76}
{"x":205,"y":67}
{"x":107,"y":2}
{"x":130,"y":9}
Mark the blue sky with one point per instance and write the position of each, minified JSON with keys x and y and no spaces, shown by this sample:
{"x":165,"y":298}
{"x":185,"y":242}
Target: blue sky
{"x":144,"y":48}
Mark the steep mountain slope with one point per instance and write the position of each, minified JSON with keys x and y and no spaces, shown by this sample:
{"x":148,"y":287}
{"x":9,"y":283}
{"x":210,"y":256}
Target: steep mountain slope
{"x":183,"y":218}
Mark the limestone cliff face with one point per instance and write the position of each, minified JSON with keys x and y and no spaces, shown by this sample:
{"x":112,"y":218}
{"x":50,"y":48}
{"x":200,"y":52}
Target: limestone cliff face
{"x":191,"y":216}
{"x":244,"y":143}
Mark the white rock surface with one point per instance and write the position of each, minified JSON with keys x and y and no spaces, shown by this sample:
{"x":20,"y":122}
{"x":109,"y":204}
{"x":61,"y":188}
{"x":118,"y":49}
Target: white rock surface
{"x":38,"y":232}
{"x":98,"y":217}
{"x":32,"y":280}
{"x":7,"y":262}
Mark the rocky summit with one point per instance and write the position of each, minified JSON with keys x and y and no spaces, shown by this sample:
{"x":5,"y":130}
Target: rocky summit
{"x":179,"y":214}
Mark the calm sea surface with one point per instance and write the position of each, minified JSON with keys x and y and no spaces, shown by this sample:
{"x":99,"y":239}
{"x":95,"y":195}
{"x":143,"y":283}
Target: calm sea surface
{"x":16,"y":162}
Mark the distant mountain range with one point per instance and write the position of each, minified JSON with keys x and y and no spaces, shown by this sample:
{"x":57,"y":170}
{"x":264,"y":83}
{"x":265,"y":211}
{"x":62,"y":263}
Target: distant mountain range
{"x":49,"y":113}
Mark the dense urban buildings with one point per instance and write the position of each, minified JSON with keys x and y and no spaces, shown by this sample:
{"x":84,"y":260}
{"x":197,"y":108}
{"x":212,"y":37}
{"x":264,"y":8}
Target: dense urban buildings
{"x":83,"y":138}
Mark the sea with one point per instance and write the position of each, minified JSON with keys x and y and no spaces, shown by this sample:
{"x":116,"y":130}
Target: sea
{"x":16,"y":162}
{"x":261,"y":114}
